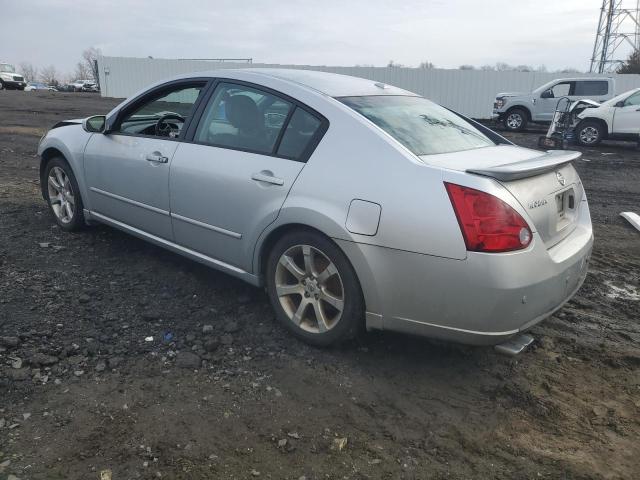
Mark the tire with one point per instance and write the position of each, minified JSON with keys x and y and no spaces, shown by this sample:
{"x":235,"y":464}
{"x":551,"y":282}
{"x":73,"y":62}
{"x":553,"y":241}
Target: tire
{"x":326,"y":285}
{"x":589,"y":133}
{"x":2,"y":87}
{"x":515,"y":120}
{"x":60,"y":172}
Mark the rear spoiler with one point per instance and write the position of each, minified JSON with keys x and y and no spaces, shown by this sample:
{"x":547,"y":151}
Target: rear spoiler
{"x":528,"y":168}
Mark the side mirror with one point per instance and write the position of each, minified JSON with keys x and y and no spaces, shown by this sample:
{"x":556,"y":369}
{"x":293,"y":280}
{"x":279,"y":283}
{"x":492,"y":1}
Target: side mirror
{"x":547,"y":94}
{"x":619,"y":104}
{"x":95,"y":124}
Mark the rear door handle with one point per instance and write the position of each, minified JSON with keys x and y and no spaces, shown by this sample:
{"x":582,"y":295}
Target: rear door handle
{"x":157,"y":157}
{"x":267,"y":177}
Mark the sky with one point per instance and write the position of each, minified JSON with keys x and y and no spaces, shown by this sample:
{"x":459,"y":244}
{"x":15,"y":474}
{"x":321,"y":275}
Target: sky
{"x":553,"y":33}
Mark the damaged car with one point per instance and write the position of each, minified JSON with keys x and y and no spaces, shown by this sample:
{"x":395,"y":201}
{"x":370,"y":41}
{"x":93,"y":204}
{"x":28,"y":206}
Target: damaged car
{"x":355,"y":204}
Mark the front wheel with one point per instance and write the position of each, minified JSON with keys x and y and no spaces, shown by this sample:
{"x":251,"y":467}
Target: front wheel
{"x":63,"y":195}
{"x":515,"y":120}
{"x":589,"y":133}
{"x":314,"y":289}
{"x":2,"y":87}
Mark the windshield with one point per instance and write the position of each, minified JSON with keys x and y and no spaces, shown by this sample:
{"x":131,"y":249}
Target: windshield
{"x":5,"y":67}
{"x":622,"y":96}
{"x":419,"y":124}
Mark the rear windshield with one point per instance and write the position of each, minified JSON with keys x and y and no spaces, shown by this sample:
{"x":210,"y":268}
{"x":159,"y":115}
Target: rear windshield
{"x":419,"y":124}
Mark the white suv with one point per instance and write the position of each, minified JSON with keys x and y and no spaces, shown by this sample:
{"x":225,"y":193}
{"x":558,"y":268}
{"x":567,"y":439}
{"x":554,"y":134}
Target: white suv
{"x":616,"y":119}
{"x":515,"y":110}
{"x":9,"y":78}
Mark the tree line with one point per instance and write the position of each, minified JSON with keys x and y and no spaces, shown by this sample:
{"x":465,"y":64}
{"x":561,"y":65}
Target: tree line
{"x":86,"y":69}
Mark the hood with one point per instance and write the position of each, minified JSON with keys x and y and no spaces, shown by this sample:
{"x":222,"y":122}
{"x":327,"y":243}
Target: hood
{"x":65,"y":123}
{"x":510,"y":94}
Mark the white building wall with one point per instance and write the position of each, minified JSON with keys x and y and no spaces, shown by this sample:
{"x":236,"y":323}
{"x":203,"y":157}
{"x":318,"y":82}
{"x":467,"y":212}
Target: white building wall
{"x":470,"y":92}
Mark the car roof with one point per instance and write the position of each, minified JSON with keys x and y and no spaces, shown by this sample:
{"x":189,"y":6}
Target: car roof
{"x":331,"y":84}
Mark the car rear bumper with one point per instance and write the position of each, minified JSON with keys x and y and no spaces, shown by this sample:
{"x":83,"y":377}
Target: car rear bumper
{"x":482,"y":300}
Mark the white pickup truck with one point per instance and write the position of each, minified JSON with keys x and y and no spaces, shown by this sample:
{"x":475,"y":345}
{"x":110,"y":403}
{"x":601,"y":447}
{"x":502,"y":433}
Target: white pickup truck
{"x":615,"y":119}
{"x":515,"y":110}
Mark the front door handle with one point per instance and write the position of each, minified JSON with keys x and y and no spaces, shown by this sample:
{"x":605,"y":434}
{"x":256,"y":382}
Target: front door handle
{"x":157,"y":157}
{"x":267,"y":177}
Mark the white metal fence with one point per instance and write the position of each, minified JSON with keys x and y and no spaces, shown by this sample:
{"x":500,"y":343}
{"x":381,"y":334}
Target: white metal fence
{"x":470,"y":92}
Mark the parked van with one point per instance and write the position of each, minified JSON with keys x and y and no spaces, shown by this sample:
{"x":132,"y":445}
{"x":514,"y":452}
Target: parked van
{"x":516,"y":110}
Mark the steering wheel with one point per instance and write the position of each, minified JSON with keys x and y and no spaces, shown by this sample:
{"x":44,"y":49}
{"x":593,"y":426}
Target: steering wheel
{"x":164,"y":129}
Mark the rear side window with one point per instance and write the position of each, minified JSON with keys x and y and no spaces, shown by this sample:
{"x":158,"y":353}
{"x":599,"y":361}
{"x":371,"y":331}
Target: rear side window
{"x":419,"y":124}
{"x":592,"y":87}
{"x":299,"y":135}
{"x":243,"y":118}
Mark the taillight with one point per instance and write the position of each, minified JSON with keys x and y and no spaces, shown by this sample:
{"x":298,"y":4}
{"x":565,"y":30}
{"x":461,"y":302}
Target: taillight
{"x":488,"y":224}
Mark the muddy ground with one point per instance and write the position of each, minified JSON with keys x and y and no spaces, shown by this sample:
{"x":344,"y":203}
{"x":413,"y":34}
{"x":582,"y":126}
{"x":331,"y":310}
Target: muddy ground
{"x":223,"y":392}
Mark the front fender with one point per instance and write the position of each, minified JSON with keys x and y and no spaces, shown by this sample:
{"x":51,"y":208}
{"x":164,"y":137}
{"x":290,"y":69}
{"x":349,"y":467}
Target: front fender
{"x":70,"y":142}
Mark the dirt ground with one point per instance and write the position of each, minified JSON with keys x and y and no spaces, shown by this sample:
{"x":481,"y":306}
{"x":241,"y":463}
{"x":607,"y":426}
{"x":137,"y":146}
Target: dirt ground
{"x":221,"y":391}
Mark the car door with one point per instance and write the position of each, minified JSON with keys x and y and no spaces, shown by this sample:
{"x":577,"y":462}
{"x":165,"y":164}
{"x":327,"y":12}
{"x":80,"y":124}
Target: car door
{"x":127,"y":169}
{"x":229,"y":182}
{"x":626,"y":118}
{"x":546,"y":104}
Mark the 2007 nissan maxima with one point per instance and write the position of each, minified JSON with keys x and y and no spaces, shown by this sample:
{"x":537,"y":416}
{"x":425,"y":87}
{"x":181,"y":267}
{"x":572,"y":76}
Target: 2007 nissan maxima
{"x":357,"y":204}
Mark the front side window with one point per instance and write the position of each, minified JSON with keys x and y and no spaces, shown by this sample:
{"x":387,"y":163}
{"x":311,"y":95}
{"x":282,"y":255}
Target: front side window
{"x":243,"y":118}
{"x":164,"y":114}
{"x":561,"y":90}
{"x":632,"y":100}
{"x":592,"y":87}
{"x":419,"y":124}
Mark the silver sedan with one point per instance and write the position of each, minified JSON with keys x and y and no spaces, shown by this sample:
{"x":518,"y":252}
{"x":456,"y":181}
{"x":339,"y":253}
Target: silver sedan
{"x":356,"y":204}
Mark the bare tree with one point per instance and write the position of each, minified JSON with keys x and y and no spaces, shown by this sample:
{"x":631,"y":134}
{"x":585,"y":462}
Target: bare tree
{"x":29,"y":72}
{"x":394,"y":64}
{"x":82,"y":73}
{"x":466,"y":67}
{"x":568,"y":70}
{"x":488,"y":68}
{"x":426,"y":65}
{"x":90,"y":60}
{"x":49,"y":75}
{"x":503,"y":67}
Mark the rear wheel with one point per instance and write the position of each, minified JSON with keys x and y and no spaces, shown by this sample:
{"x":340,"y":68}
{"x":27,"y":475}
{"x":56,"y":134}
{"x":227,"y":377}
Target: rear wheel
{"x":2,"y":87}
{"x":515,"y":120}
{"x":313,"y":289}
{"x":589,"y":133}
{"x":63,"y":195}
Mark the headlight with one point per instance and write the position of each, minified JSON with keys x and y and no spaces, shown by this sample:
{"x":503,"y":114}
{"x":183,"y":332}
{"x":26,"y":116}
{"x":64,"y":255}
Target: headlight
{"x":500,"y":102}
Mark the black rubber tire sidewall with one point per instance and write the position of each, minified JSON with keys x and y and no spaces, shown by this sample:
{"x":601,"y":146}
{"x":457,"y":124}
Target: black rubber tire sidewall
{"x":522,"y":114}
{"x":77,"y":223}
{"x":352,"y":321}
{"x":589,"y":123}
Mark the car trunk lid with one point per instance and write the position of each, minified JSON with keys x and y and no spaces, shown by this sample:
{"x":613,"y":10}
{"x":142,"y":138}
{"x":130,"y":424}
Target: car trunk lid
{"x":545,"y":184}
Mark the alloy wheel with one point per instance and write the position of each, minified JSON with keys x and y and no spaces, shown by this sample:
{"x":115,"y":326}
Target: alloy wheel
{"x":309,"y":288}
{"x":61,"y":196}
{"x":588,"y":135}
{"x":514,"y":120}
